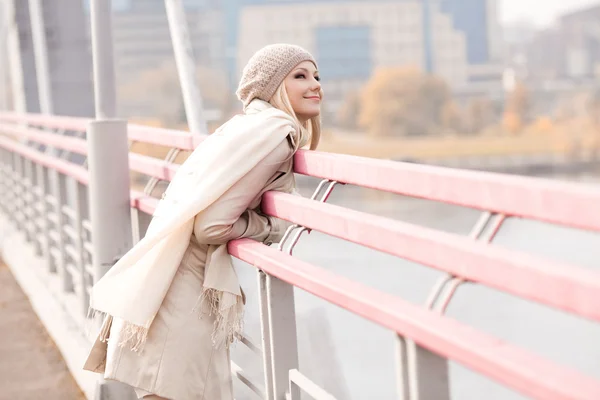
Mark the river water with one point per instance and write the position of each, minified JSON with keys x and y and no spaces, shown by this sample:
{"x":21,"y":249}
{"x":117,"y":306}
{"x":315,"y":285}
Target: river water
{"x":355,"y":359}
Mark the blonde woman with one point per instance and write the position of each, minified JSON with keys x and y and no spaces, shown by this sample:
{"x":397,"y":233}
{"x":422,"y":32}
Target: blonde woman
{"x":173,"y":303}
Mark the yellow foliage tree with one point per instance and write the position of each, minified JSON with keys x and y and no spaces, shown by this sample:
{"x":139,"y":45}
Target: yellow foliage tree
{"x":517,"y":109}
{"x":480,"y":114}
{"x":452,"y":119}
{"x":347,"y":115}
{"x":403,"y":101}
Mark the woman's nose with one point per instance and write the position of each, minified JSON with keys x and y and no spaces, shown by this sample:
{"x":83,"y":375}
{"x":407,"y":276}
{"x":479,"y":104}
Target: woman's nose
{"x":316,"y":85}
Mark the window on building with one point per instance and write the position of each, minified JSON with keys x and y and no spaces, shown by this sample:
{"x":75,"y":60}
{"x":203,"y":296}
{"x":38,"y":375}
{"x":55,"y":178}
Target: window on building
{"x":344,"y":52}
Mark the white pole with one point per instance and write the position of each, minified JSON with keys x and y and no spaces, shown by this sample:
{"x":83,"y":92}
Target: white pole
{"x":105,"y":93}
{"x":40,"y":49}
{"x":108,"y":159}
{"x":3,"y":59}
{"x":14,"y":56}
{"x":184,"y":58}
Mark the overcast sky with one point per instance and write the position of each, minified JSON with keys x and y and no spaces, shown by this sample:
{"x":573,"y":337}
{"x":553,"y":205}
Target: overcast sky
{"x":541,"y":12}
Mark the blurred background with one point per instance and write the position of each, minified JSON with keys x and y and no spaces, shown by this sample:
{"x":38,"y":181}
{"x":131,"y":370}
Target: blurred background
{"x":498,"y":85}
{"x":417,"y":80}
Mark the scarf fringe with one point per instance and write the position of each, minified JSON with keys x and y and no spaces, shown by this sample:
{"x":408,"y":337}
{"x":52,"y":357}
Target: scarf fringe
{"x":133,"y":336}
{"x":227,"y":328}
{"x":228,"y":325}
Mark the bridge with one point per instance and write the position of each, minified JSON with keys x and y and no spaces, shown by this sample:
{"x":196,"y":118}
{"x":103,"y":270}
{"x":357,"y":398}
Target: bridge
{"x":68,"y":211}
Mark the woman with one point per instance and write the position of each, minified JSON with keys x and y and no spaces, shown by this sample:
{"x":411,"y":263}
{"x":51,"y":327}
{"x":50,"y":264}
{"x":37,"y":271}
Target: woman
{"x":151,"y":337}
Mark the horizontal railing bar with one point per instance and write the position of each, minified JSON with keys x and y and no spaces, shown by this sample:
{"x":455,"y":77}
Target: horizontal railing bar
{"x":249,"y":343}
{"x":69,"y":143}
{"x":47,"y":121}
{"x":570,"y":288}
{"x":139,"y":133}
{"x":70,"y":232}
{"x":88,"y":247}
{"x":54,"y":235}
{"x":68,"y":211}
{"x":564,"y":203}
{"x":62,"y":166}
{"x":55,"y":253}
{"x":503,"y":362}
{"x":143,"y":202}
{"x":164,"y":137}
{"x":152,"y":166}
{"x":239,"y":373}
{"x":542,"y":199}
{"x":52,"y":216}
{"x":314,"y":391}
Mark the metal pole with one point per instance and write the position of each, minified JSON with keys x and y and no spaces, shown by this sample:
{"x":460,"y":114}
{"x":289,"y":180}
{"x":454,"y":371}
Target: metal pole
{"x":105,"y":93}
{"x":40,"y":48}
{"x":3,"y":58}
{"x":108,"y":154}
{"x":16,"y":64}
{"x":108,"y":165}
{"x":186,"y":66}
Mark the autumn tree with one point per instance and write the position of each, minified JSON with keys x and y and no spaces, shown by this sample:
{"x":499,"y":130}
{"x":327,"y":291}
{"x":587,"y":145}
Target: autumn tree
{"x":593,"y":107}
{"x":452,"y":118}
{"x":403,"y":101}
{"x":348,"y":113}
{"x":517,"y":109}
{"x":480,"y":114}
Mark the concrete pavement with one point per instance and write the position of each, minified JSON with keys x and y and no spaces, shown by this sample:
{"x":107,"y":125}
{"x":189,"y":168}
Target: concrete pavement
{"x":31,"y":367}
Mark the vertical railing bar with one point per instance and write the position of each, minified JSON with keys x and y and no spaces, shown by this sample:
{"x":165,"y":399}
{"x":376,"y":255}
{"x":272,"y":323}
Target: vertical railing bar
{"x":78,"y":206}
{"x":44,"y":192}
{"x":265,"y":334}
{"x":135,"y":225}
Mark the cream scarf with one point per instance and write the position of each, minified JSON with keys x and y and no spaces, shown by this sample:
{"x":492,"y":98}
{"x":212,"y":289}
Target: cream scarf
{"x":134,"y":288}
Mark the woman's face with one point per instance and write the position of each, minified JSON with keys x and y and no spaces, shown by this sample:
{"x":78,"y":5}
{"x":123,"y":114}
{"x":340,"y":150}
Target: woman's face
{"x":304,"y":90}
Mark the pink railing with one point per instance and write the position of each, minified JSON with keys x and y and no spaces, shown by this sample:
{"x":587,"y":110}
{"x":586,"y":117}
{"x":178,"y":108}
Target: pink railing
{"x":474,"y":259}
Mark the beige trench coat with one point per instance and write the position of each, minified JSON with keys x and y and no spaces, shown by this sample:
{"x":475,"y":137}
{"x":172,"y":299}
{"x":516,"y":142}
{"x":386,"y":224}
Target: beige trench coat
{"x":178,"y":360}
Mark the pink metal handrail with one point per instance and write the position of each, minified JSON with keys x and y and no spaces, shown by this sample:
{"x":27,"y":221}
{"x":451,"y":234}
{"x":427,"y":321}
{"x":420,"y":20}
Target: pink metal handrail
{"x":572,"y":288}
{"x":64,"y":167}
{"x":507,"y":364}
{"x":556,"y":202}
{"x":545,"y":200}
{"x":558,"y":285}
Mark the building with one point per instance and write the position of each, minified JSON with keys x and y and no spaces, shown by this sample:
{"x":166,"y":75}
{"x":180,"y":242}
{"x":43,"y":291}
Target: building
{"x":562,"y":55}
{"x":69,"y":59}
{"x":581,"y":32}
{"x":350,"y":39}
{"x":142,"y":39}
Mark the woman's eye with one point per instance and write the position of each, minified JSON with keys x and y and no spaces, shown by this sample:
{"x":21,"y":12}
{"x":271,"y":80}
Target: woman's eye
{"x":318,"y":78}
{"x":300,"y":76}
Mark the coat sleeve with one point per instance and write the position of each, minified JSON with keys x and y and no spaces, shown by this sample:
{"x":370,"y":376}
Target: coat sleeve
{"x":230,"y":218}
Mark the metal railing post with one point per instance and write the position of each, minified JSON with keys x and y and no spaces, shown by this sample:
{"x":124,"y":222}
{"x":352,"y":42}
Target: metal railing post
{"x":284,"y":340}
{"x":108,"y":152}
{"x":59,"y":257}
{"x":108,"y":165}
{"x":108,"y":193}
{"x":44,"y":211}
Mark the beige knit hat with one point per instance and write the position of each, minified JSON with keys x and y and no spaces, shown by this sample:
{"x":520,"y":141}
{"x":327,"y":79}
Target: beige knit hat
{"x":267,"y":68}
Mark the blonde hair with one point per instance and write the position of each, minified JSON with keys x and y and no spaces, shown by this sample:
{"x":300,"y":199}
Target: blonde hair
{"x":310,"y":131}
